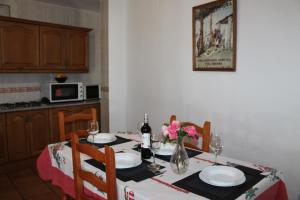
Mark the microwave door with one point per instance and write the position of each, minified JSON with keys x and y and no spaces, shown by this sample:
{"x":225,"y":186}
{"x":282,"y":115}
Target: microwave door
{"x":67,"y":92}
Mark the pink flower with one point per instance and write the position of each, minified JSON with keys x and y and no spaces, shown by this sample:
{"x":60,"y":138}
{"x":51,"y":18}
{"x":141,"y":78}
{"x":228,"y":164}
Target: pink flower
{"x":172,"y":129}
{"x":190,"y":130}
{"x":165,"y":131}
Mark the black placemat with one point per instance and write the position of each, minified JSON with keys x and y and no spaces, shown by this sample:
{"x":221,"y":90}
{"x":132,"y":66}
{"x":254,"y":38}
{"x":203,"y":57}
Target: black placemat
{"x":190,"y":152}
{"x":136,"y":174}
{"x":195,"y":185}
{"x":119,"y":140}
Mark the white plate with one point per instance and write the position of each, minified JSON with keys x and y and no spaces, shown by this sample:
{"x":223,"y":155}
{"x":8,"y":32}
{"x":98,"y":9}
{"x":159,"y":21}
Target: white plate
{"x":166,"y":149}
{"x":222,"y":176}
{"x":127,"y":160}
{"x":102,"y":138}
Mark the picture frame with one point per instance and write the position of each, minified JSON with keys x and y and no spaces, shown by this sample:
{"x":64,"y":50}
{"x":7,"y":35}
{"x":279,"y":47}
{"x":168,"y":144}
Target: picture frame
{"x":214,"y":36}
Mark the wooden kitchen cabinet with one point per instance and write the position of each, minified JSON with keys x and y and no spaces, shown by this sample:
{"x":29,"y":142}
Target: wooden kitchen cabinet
{"x":24,"y":134}
{"x":77,"y":48}
{"x":32,"y":46}
{"x":54,"y":128}
{"x":19,"y":47}
{"x":3,"y":144}
{"x":39,"y":130}
{"x":53,"y":48}
{"x":18,"y":129}
{"x":79,"y":125}
{"x":28,"y":133}
{"x":63,"y":50}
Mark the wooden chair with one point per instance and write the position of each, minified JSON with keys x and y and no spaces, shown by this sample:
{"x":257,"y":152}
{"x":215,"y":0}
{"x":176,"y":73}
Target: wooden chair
{"x":107,"y":158}
{"x":62,"y":120}
{"x":203,"y":132}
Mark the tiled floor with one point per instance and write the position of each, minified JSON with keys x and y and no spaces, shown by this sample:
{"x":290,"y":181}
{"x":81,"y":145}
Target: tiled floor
{"x":26,"y":185}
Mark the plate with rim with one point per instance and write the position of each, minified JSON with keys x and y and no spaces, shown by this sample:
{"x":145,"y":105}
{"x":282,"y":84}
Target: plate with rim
{"x":166,"y":149}
{"x":127,"y":160}
{"x":222,"y":176}
{"x":102,"y":138}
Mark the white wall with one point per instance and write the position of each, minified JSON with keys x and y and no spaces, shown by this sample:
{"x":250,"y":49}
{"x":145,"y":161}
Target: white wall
{"x":34,"y":10}
{"x":256,"y":108}
{"x":117,"y":53}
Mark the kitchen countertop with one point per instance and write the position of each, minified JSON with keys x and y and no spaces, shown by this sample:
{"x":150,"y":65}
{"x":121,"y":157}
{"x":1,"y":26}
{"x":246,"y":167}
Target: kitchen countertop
{"x":53,"y":105}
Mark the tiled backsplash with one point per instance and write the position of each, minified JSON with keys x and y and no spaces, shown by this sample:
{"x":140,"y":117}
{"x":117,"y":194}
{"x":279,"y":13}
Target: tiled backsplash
{"x":19,"y":89}
{"x":10,"y":93}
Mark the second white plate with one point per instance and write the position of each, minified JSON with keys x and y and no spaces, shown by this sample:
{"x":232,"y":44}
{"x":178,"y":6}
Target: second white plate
{"x":222,"y":176}
{"x":127,"y":160}
{"x":102,"y":138}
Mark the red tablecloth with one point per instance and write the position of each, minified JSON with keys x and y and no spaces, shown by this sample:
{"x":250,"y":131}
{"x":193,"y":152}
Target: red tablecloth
{"x":49,"y":173}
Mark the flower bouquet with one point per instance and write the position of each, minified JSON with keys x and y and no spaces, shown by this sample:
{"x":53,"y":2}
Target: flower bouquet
{"x":175,"y":133}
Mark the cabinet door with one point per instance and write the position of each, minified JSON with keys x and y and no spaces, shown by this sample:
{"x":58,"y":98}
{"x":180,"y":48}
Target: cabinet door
{"x":39,"y":134}
{"x":54,"y":129}
{"x":52,"y":48}
{"x":78,"y":125}
{"x":3,"y":150}
{"x":82,"y":125}
{"x":77,"y":50}
{"x":19,"y":47}
{"x":18,"y":130}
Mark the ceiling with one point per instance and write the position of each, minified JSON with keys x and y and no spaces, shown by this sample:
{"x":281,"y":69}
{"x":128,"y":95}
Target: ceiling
{"x":92,"y":5}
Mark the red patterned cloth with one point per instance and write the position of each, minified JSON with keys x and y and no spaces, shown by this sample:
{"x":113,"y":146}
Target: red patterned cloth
{"x":275,"y":192}
{"x":49,"y":173}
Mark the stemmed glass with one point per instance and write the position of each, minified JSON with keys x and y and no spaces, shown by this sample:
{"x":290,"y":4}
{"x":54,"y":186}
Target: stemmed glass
{"x":155,"y":145}
{"x":93,"y":128}
{"x":216,"y":145}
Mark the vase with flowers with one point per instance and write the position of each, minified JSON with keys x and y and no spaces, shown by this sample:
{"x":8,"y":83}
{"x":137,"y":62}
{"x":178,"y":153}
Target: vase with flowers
{"x":175,"y":133}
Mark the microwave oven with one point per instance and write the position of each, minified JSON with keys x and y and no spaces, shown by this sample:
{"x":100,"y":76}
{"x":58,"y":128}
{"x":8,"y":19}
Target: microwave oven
{"x":63,"y":92}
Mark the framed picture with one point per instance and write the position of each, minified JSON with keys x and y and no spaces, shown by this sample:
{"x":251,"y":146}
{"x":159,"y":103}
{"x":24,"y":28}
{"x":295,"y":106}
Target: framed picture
{"x":214,"y":36}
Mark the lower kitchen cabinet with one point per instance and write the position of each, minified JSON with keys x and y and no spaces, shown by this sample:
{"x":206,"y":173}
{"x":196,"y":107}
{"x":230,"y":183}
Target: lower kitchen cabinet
{"x":28,"y":133}
{"x":39,"y":131}
{"x":18,"y":130}
{"x":79,"y":125}
{"x":24,"y":134}
{"x":3,"y":144}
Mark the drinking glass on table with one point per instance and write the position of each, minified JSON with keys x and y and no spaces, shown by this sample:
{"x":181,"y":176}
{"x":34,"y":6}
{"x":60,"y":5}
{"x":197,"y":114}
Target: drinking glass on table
{"x":93,"y":128}
{"x":154,"y":147}
{"x":216,"y":145}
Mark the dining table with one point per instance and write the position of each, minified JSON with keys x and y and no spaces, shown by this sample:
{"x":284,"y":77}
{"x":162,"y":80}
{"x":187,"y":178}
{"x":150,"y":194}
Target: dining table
{"x":139,"y":183}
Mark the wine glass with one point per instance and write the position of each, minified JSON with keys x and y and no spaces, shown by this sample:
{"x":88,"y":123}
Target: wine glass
{"x":93,"y":128}
{"x":216,"y":145}
{"x":154,"y":147}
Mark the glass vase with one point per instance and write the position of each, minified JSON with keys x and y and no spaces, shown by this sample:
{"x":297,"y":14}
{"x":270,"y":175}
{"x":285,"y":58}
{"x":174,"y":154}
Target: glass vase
{"x":179,"y":160}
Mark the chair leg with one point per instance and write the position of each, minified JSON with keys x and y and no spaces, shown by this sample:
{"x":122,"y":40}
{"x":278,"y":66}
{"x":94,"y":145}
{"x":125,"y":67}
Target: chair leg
{"x":63,"y":195}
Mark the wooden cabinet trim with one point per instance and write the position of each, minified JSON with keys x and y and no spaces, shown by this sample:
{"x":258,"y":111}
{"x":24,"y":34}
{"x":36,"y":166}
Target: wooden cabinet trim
{"x":12,"y":19}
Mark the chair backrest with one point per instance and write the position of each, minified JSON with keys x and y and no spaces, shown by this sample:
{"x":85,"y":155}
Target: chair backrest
{"x":203,"y":132}
{"x":107,"y":158}
{"x":62,"y":120}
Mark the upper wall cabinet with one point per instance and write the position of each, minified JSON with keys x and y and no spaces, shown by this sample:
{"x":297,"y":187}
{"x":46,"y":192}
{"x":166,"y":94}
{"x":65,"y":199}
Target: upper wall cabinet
{"x":77,"y":50}
{"x":19,"y":46}
{"x":30,"y":46}
{"x":52,"y":48}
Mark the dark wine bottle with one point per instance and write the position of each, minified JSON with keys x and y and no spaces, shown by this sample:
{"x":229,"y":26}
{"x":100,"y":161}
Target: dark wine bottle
{"x":146,"y":135}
